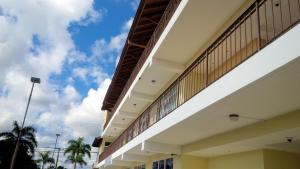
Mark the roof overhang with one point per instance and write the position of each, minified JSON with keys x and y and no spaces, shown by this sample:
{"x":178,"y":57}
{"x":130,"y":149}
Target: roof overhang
{"x":145,"y":22}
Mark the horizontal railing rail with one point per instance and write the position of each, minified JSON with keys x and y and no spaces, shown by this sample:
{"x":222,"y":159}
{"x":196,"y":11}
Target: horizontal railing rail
{"x":260,"y":24}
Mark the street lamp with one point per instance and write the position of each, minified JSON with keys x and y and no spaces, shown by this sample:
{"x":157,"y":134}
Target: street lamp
{"x":33,"y":80}
{"x":57,"y":135}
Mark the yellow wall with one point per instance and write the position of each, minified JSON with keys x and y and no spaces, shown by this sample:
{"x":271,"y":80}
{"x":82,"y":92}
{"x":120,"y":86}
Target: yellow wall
{"x":193,"y":162}
{"x":245,"y":160}
{"x":281,"y":160}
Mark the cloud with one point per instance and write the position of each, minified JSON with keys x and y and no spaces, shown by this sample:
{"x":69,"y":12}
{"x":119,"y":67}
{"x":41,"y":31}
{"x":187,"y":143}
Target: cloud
{"x":86,"y":118}
{"x":35,"y":41}
{"x":111,"y":49}
{"x":135,"y":4}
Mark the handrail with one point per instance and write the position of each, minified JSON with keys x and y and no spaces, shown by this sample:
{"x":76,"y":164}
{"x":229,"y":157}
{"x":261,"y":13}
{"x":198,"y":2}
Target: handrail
{"x":259,"y":25}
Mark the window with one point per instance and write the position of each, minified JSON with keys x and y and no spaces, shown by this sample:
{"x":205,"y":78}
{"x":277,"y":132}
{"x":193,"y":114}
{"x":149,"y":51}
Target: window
{"x":143,"y":166}
{"x":163,"y":164}
{"x":169,"y":163}
{"x":155,"y":165}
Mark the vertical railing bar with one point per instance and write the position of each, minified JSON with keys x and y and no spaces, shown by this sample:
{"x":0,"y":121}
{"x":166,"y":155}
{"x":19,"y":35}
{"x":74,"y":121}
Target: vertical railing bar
{"x":273,"y":18}
{"x":200,"y":73}
{"x":281,"y":16}
{"x":241,"y":52}
{"x":230,"y":57}
{"x":246,"y":43}
{"x":298,"y":8}
{"x":258,"y":25}
{"x":214,"y":63}
{"x":266,"y":19}
{"x":206,"y":55}
{"x":192,"y":81}
{"x":218,"y":58}
{"x":251,"y":34}
{"x":290,"y":15}
{"x":226,"y":52}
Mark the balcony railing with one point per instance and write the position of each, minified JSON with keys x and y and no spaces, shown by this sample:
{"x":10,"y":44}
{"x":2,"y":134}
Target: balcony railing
{"x":259,"y":25}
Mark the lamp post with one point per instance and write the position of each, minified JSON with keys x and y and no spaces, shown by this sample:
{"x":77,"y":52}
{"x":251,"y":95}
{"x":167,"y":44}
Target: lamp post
{"x":57,"y":158}
{"x":33,"y":80}
{"x":57,"y":135}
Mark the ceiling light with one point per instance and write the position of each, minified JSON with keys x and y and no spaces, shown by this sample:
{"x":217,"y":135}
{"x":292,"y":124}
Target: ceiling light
{"x":289,"y":139}
{"x":234,"y":117}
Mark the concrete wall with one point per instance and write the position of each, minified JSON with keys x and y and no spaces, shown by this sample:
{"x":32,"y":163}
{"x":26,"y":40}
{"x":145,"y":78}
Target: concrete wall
{"x":245,"y":160}
{"x":281,"y":160}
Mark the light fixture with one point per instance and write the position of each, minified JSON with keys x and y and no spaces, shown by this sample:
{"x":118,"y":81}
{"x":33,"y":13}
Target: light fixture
{"x":289,"y":139}
{"x":234,"y":117}
{"x":277,"y":3}
{"x":35,"y":80}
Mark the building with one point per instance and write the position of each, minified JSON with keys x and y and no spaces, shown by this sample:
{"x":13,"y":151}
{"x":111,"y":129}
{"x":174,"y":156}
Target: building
{"x":206,"y":84}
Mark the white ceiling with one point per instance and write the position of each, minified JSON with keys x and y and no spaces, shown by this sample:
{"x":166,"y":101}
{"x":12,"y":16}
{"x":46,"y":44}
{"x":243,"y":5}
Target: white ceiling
{"x":273,"y":95}
{"x":275,"y":141}
{"x":187,"y":36}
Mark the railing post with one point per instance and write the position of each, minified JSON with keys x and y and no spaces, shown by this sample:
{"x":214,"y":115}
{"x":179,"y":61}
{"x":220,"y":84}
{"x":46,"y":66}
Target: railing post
{"x":206,"y":56}
{"x":258,"y":26}
{"x":178,"y":94}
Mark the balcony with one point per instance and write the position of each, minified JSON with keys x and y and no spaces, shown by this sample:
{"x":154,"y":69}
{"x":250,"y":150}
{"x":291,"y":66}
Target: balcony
{"x":262,"y":23}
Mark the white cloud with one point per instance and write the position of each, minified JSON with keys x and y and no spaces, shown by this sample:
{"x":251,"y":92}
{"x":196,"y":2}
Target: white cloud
{"x":85,"y":118}
{"x":111,"y":49}
{"x":135,"y":4}
{"x":35,"y":41}
{"x":80,"y":72}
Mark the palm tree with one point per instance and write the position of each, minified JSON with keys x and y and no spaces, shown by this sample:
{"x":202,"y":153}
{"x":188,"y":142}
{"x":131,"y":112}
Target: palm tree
{"x":26,"y":148}
{"x":45,"y":158}
{"x":77,"y":150}
{"x":27,"y":137}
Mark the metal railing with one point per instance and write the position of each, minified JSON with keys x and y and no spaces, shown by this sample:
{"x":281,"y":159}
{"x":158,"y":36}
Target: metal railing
{"x":260,"y":24}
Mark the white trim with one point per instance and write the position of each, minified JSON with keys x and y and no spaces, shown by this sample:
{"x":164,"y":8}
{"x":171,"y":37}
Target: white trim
{"x":149,"y":59}
{"x":160,"y":148}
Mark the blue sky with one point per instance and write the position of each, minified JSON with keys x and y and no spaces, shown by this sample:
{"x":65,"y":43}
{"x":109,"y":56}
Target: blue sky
{"x":73,"y":46}
{"x":115,"y":14}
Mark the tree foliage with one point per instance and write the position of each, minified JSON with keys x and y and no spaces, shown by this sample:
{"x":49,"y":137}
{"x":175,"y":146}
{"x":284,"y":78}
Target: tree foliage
{"x":26,"y":150}
{"x":76,"y":151}
{"x":45,"y":159}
